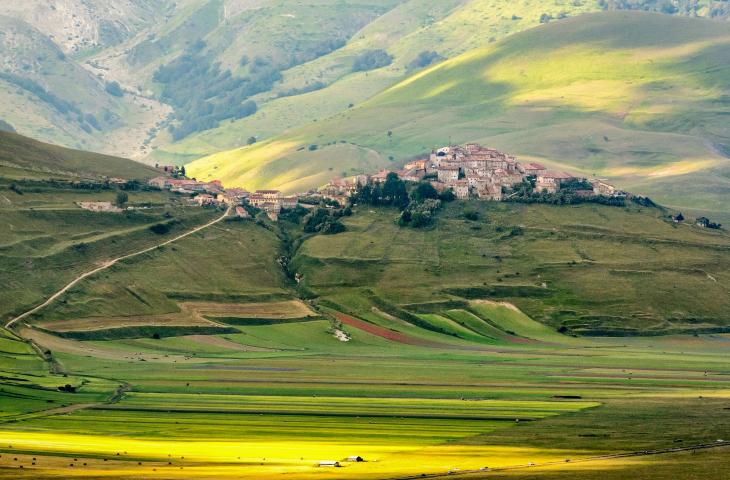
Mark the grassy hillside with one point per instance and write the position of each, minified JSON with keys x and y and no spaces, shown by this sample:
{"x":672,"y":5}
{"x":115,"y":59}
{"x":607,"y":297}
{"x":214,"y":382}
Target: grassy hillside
{"x":636,"y":97}
{"x":589,"y":269}
{"x":446,"y":28}
{"x":23,"y":157}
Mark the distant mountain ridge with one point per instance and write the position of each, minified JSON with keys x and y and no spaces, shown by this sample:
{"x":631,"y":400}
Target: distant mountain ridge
{"x":303,"y":53}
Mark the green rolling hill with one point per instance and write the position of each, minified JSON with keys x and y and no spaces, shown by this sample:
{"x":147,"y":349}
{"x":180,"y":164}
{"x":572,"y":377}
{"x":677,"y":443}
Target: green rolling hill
{"x":640,"y":98}
{"x":24,"y":158}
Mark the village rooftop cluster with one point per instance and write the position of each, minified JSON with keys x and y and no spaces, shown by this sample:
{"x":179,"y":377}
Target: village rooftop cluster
{"x":472,"y":171}
{"x":213,"y":193}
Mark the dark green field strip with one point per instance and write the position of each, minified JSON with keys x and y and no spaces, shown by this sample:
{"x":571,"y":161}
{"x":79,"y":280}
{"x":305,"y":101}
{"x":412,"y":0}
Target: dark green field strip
{"x":507,"y":416}
{"x":253,"y":321}
{"x":349,"y":406}
{"x":264,"y":427}
{"x":140,"y":332}
{"x":226,"y":297}
{"x":499,"y":291}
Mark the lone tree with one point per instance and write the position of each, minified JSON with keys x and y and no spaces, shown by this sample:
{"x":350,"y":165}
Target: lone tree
{"x":122,"y":199}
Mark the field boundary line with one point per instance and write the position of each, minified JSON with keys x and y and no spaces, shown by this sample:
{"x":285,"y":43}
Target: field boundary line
{"x":108,"y":264}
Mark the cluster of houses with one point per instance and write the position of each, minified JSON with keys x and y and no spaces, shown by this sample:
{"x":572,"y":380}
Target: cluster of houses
{"x":472,"y":171}
{"x":213,"y":193}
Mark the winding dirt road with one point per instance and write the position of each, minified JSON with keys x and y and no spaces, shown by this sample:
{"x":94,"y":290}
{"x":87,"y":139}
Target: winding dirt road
{"x":108,"y":264}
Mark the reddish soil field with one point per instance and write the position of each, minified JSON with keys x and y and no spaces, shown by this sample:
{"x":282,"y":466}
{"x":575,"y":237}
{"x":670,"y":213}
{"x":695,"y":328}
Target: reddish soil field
{"x":386,"y":333}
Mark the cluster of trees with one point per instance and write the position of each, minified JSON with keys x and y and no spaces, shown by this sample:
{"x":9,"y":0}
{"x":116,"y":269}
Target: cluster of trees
{"x":707,"y":223}
{"x":567,"y":195}
{"x":566,"y":198}
{"x":204,"y":95}
{"x":312,"y":87}
{"x":325,"y":221}
{"x":86,"y":121}
{"x":424,"y":59}
{"x":113,"y":88}
{"x":122,"y":199}
{"x":419,"y":214}
{"x":684,"y":7}
{"x":392,"y":192}
{"x":643,"y":201}
{"x":418,"y":208}
{"x":370,"y":60}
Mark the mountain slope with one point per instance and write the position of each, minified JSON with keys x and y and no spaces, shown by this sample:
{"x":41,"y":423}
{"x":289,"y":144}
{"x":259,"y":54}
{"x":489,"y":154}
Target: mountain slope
{"x":46,"y":94}
{"x":413,"y":27}
{"x":641,"y":98}
{"x":78,"y":26}
{"x":23,"y":157}
{"x":445,"y":28}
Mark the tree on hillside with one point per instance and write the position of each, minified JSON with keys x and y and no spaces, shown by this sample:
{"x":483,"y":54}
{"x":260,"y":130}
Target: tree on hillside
{"x":182,"y":170}
{"x":370,"y":60}
{"x":113,"y":88}
{"x":122,"y":199}
{"x":394,"y":191}
{"x":251,"y":140}
{"x":423,"y":191}
{"x":424,"y":59}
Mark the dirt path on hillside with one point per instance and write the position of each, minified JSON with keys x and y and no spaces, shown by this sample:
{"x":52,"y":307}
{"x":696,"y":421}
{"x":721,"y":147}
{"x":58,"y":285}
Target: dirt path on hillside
{"x":108,"y":263}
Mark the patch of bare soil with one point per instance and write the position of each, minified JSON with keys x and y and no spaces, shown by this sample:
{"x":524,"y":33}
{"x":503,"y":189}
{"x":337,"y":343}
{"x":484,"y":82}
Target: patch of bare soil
{"x":214,"y":341}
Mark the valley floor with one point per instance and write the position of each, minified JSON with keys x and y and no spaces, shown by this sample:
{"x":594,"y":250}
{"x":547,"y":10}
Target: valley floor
{"x":200,"y":360}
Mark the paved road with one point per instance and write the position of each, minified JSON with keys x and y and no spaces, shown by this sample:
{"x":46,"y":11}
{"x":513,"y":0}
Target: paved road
{"x":108,"y":264}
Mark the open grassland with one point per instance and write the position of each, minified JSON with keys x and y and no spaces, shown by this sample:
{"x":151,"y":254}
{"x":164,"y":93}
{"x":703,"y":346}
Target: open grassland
{"x":589,"y":269}
{"x":639,"y":98}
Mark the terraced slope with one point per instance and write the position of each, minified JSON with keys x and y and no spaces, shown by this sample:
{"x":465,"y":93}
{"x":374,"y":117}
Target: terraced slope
{"x":591,"y":270}
{"x":636,"y":97}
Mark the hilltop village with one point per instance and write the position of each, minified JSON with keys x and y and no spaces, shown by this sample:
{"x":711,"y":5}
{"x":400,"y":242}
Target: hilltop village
{"x":471,"y":171}
{"x":474,"y":171}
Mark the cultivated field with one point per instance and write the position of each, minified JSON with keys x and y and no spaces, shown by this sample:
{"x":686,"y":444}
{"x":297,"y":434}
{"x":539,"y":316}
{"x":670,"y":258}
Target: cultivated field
{"x":454,"y":359}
